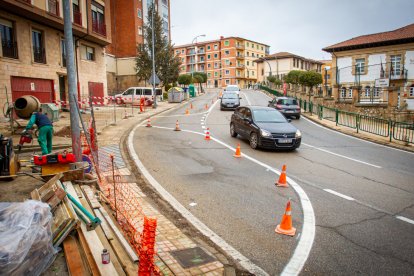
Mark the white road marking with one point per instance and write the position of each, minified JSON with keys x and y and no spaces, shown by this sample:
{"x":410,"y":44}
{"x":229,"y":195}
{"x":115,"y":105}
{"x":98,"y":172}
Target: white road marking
{"x":236,"y":255}
{"x":343,"y":156}
{"x":247,"y":99}
{"x":203,"y":127}
{"x":405,"y":219}
{"x":192,"y":204}
{"x":304,"y":246}
{"x":339,"y":194}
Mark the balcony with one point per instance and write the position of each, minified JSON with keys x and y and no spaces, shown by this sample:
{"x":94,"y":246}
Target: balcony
{"x":9,"y":49}
{"x":191,"y":53}
{"x":77,"y":17}
{"x":201,"y":52}
{"x":53,"y":7}
{"x":39,"y":55}
{"x":191,"y":61}
{"x":240,"y":47}
{"x":239,"y":56}
{"x":398,"y":74}
{"x":372,"y":96}
{"x":201,"y":61}
{"x":99,"y":27}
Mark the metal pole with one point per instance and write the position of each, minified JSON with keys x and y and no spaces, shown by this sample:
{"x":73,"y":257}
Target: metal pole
{"x":154,"y":105}
{"x":73,"y":97}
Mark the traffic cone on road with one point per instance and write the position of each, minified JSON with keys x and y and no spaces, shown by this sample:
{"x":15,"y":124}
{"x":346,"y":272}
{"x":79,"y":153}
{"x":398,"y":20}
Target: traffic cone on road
{"x":207,"y":135}
{"x":282,"y":178}
{"x":177,"y":126}
{"x":191,"y":105}
{"x":285,"y":227}
{"x":206,"y":107}
{"x":238,"y":152}
{"x":149,"y":122}
{"x":187,"y":112}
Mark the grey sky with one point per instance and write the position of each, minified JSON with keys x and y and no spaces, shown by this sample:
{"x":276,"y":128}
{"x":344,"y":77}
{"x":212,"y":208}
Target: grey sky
{"x":302,"y":27}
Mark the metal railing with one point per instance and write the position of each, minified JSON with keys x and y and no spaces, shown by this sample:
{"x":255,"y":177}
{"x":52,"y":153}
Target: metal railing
{"x":77,"y":17}
{"x":348,"y":119}
{"x":403,"y":132}
{"x":39,"y":55}
{"x":99,"y":27}
{"x":374,"y":125}
{"x":274,"y":92}
{"x":9,"y":49}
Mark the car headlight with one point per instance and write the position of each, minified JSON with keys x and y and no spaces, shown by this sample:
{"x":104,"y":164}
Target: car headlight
{"x":298,"y":134}
{"x":265,"y":133}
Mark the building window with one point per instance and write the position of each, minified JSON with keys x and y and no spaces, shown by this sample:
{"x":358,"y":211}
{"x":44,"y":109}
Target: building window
{"x":182,"y":51}
{"x":247,"y":44}
{"x":139,"y":13}
{"x":227,"y":72}
{"x":247,"y":53}
{"x":262,"y":72}
{"x":53,"y":7}
{"x":209,"y":75}
{"x":98,"y":19}
{"x":343,"y":92}
{"x":360,"y":66}
{"x":412,"y":91}
{"x":63,"y":52}
{"x":227,"y":62}
{"x":247,"y":62}
{"x":227,"y":52}
{"x":140,"y":30}
{"x":226,"y":43}
{"x":177,"y":52}
{"x":367,"y":91}
{"x":8,"y":44}
{"x":215,"y":55}
{"x":182,"y":60}
{"x":215,"y":65}
{"x":252,"y":73}
{"x":227,"y":81}
{"x":39,"y":53}
{"x":208,"y":47}
{"x":350,"y":92}
{"x":209,"y":65}
{"x":395,"y":65}
{"x":262,"y":48}
{"x":88,"y":53}
{"x":215,"y":74}
{"x":252,"y":54}
{"x":77,"y":15}
{"x":208,"y":56}
{"x":376,"y":91}
{"x":252,"y":45}
{"x":215,"y":47}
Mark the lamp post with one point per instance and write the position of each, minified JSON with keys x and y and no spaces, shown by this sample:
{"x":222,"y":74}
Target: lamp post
{"x":195,"y":50}
{"x":153,"y":56}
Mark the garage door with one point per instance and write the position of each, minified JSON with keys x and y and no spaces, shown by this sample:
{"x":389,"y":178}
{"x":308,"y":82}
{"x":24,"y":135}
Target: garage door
{"x":40,"y":88}
{"x":96,"y":89}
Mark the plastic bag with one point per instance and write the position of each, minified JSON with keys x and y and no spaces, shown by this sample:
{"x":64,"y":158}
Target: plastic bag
{"x":26,"y":246}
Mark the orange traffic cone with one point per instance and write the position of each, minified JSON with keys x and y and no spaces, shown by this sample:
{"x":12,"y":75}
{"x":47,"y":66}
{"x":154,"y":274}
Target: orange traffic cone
{"x":191,"y":105}
{"x":149,"y":122}
{"x":187,"y":112}
{"x":238,"y":152}
{"x":207,"y":135}
{"x":282,"y":178}
{"x":177,"y":126}
{"x":206,"y":107}
{"x":285,"y":227}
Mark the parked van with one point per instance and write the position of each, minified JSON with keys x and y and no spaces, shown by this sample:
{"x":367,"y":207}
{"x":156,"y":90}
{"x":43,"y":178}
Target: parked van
{"x":134,"y":95}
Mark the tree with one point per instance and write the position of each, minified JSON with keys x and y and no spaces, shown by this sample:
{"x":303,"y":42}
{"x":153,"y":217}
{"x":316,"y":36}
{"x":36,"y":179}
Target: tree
{"x":293,"y":77}
{"x":167,"y":65}
{"x":274,"y":80}
{"x":200,"y":78}
{"x":310,"y":79}
{"x":184,"y":79}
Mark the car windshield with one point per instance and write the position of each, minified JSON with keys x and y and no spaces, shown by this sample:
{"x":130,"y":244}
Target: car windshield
{"x":287,"y":102}
{"x":268,"y":116}
{"x":232,"y":88}
{"x":230,"y":96}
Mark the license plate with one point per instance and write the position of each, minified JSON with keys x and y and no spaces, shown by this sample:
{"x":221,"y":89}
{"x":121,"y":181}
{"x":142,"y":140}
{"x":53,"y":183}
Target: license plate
{"x":289,"y":111}
{"x":230,"y":105}
{"x":285,"y":141}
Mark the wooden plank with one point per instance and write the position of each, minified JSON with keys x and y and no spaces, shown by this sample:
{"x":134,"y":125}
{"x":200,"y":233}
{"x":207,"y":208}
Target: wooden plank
{"x":73,"y":257}
{"x":90,"y":196}
{"x":49,"y":184}
{"x":120,"y":237}
{"x":92,"y":239}
{"x":105,"y":227}
{"x":88,"y":254}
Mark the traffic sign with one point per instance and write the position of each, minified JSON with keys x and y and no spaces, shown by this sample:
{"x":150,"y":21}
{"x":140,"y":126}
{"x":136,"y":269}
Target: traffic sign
{"x":157,"y":79}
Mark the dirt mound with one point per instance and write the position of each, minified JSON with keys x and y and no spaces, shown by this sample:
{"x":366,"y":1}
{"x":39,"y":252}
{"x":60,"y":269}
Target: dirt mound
{"x":63,"y":132}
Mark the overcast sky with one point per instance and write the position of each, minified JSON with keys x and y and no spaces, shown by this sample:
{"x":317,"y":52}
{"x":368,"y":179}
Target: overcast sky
{"x":301,"y":27}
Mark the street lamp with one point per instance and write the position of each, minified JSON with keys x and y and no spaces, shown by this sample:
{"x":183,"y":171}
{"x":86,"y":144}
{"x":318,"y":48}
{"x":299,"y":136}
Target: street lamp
{"x":195,"y":50}
{"x":153,"y":55}
{"x":270,"y":67}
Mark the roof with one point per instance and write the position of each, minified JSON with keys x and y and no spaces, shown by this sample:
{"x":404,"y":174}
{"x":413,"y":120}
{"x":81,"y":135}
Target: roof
{"x":240,"y":38}
{"x":398,"y":36}
{"x":218,"y":40}
{"x":282,"y":55}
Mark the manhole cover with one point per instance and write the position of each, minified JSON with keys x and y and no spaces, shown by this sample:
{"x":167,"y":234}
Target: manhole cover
{"x":192,"y":257}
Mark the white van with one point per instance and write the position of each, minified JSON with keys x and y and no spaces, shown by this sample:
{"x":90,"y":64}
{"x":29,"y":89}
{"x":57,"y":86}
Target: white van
{"x":134,"y":94}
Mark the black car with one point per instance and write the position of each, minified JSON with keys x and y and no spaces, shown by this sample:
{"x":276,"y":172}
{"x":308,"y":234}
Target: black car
{"x":264,"y":127}
{"x":230,"y":100}
{"x":287,"y":106}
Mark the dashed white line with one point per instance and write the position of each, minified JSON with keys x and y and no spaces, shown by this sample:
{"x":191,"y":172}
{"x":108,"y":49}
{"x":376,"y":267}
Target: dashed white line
{"x":247,"y":99}
{"x":343,"y":156}
{"x":339,"y":194}
{"x":405,"y":219}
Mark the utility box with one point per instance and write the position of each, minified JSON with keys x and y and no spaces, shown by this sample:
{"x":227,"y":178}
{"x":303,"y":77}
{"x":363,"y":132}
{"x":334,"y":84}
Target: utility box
{"x":51,"y":111}
{"x":176,"y":95}
{"x":193,"y":90}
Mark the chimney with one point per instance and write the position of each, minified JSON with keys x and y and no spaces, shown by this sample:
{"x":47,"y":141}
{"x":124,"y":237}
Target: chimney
{"x":221,"y":37}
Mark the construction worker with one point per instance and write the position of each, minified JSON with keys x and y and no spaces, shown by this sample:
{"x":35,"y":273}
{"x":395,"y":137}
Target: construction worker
{"x":45,"y":130}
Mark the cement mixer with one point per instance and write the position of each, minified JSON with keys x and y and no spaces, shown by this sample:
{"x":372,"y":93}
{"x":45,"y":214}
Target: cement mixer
{"x":26,"y":105}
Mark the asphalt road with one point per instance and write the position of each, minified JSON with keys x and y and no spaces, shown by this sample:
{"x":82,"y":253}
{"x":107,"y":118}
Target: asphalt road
{"x":362,"y":193}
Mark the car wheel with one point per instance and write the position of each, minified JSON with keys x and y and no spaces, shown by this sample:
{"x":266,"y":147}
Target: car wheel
{"x":253,"y":140}
{"x":233,"y":133}
{"x":298,"y":117}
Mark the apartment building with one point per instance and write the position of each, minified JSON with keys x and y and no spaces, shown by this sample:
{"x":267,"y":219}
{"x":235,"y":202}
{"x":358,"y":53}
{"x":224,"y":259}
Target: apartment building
{"x":128,"y":20}
{"x":229,"y":60}
{"x":375,"y":69}
{"x":32,"y":52}
{"x":326,"y":71}
{"x":280,"y":64}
